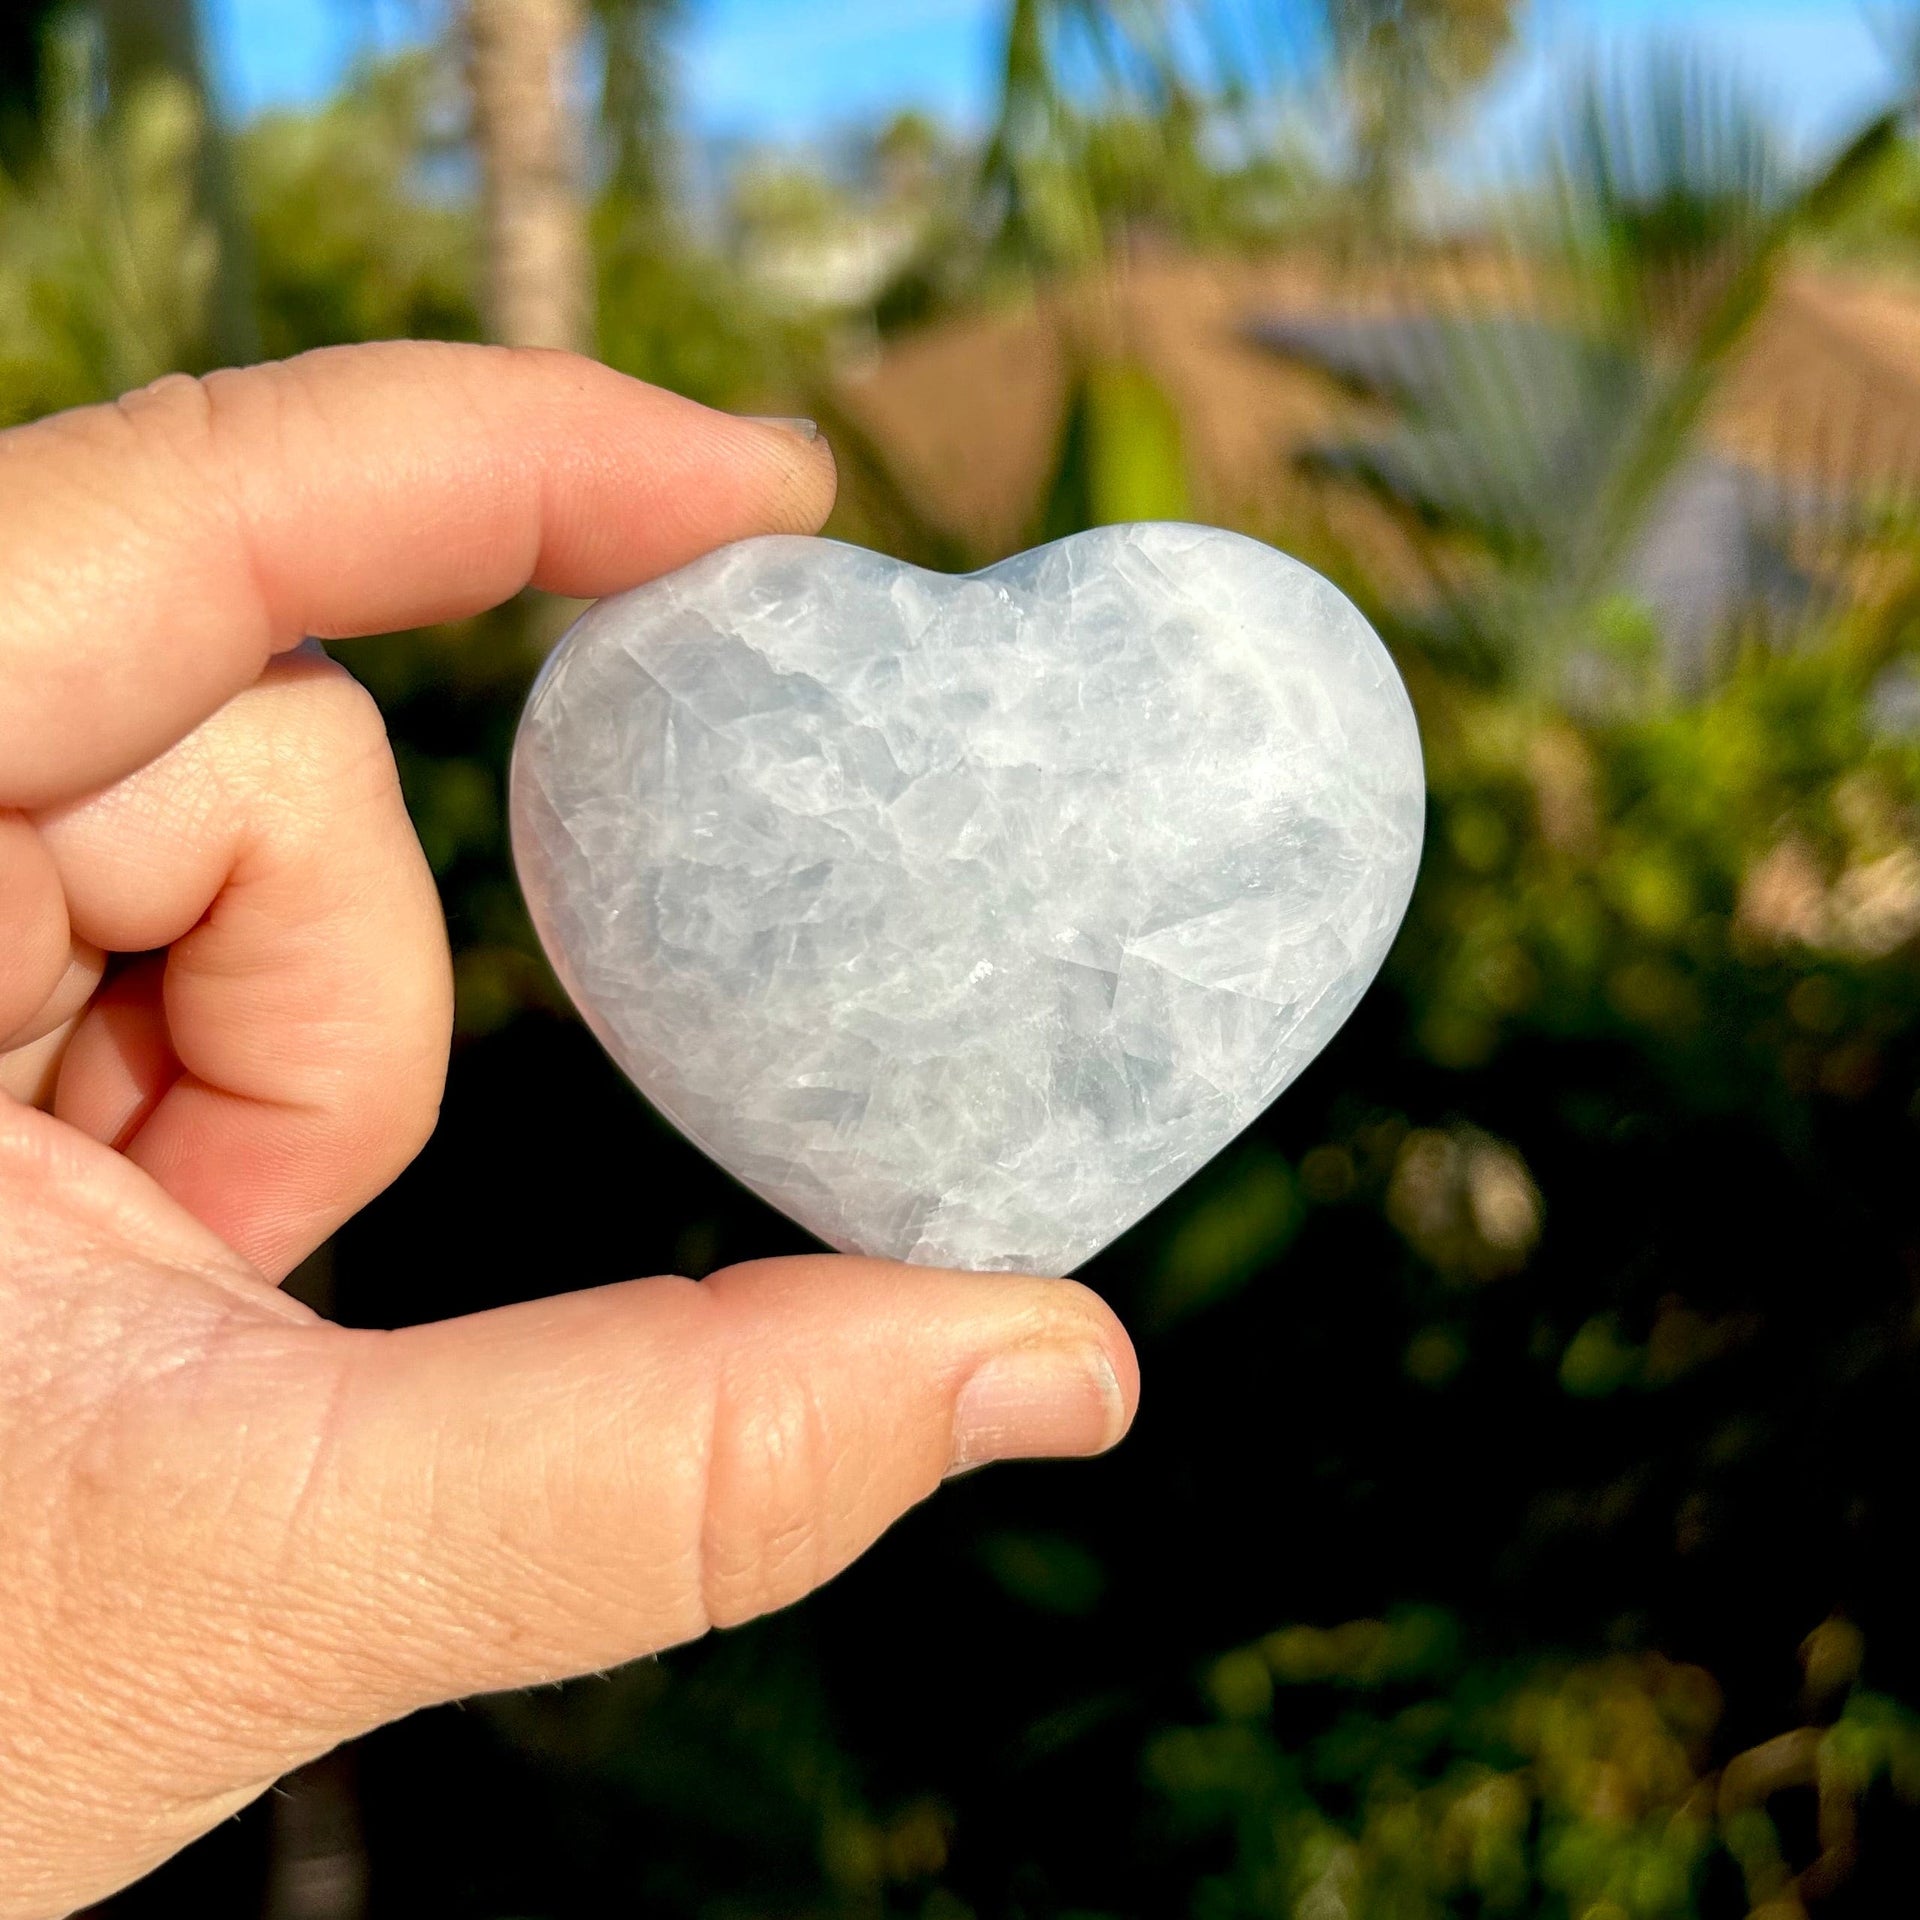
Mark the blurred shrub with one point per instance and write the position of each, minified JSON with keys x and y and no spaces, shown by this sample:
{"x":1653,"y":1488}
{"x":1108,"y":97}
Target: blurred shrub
{"x":1370,"y":1772}
{"x":359,"y":228}
{"x":1731,"y":886}
{"x":106,"y":260}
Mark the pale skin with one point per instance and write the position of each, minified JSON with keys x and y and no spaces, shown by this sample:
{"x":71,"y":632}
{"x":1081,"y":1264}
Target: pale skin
{"x":231,"y":1534}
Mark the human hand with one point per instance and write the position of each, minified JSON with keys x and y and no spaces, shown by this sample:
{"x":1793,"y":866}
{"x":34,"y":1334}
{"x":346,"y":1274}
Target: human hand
{"x":232,"y":1535}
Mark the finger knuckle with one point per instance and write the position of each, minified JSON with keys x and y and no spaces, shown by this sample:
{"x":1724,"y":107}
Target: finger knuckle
{"x":770,"y":1484}
{"x":185,"y":430}
{"x":337,"y":757}
{"x":181,"y":420}
{"x":177,"y":405}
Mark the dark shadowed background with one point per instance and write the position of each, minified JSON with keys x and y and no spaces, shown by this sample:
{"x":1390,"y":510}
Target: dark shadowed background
{"x":1515,"y":1519}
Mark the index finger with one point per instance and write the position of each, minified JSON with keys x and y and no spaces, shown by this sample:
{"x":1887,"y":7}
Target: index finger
{"x":155,"y":553}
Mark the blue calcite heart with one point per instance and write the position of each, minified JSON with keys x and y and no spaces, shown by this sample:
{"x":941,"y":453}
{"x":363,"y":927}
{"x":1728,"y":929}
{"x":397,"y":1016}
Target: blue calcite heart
{"x":964,"y":918}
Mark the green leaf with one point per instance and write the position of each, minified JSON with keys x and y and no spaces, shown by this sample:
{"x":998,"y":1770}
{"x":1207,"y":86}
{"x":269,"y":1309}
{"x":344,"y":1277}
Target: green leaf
{"x":1122,"y":454}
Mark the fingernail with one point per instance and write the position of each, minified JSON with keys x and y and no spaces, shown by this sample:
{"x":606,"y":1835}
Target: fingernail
{"x":1037,"y":1403}
{"x":807,"y":430}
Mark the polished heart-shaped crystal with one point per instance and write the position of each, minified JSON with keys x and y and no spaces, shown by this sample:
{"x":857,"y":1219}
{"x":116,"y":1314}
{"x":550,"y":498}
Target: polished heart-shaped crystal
{"x":964,"y":917}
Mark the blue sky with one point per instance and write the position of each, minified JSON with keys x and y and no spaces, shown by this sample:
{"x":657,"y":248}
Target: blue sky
{"x":785,"y":70}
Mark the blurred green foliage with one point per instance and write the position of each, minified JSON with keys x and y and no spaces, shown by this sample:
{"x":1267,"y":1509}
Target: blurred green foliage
{"x":1537,"y":1377}
{"x":106,"y":260}
{"x":1121,"y":455}
{"x":1728,"y":885}
{"x":351,"y":239}
{"x":1370,"y":1768}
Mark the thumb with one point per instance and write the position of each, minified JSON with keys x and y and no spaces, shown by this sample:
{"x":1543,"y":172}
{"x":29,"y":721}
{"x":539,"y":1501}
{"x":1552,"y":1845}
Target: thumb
{"x":305,"y":1531}
{"x":556,"y":1487}
{"x":232,"y":1535}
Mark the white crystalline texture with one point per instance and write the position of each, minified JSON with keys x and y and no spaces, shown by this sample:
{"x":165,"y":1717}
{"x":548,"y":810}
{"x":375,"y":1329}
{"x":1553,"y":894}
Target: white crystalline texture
{"x":964,"y":918}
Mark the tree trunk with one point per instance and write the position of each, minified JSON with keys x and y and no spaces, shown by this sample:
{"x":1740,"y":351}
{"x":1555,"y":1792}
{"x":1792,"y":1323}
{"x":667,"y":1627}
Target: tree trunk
{"x":539,"y":289}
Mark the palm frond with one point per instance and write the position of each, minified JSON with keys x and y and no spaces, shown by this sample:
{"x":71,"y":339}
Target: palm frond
{"x":1113,"y":111}
{"x":1563,"y":434}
